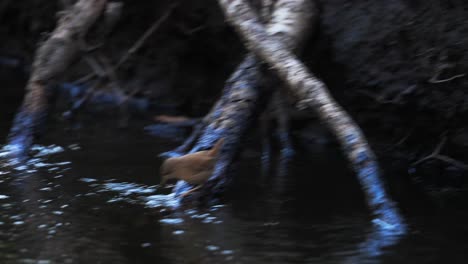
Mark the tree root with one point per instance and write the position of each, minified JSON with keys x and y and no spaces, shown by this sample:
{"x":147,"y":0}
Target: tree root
{"x":278,"y":111}
{"x":312,"y":93}
{"x":242,"y":99}
{"x":229,"y":120}
{"x":52,"y":58}
{"x":57,"y":53}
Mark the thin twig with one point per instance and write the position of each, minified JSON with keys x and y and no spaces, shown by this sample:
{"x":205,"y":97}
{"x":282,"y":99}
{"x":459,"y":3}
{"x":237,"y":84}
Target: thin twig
{"x":440,"y":69}
{"x":425,"y":52}
{"x":95,"y":66}
{"x":135,"y":47}
{"x":381,"y":98}
{"x":435,"y":80}
{"x":145,"y":36}
{"x":436,"y":155}
{"x":109,"y":70}
{"x":77,"y":105}
{"x":115,"y":83}
{"x":103,"y":69}
{"x":191,"y":31}
{"x":85,"y":79}
{"x":117,"y":86}
{"x":452,"y":161}
{"x":401,"y":141}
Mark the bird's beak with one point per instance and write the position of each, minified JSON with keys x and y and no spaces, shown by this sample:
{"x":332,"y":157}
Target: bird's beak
{"x":162,"y":184}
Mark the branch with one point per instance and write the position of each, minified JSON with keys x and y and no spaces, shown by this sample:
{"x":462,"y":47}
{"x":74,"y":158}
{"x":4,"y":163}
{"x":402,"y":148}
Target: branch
{"x":145,"y":36}
{"x":381,"y":97}
{"x":435,"y":79}
{"x":440,"y":69}
{"x":136,"y":46}
{"x":436,"y":155}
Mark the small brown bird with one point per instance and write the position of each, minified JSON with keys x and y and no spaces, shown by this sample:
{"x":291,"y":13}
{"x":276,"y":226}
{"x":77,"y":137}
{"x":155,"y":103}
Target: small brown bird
{"x":194,"y":168}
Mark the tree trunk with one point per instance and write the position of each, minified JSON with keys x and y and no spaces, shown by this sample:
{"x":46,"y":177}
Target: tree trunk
{"x":312,"y":93}
{"x":52,"y":58}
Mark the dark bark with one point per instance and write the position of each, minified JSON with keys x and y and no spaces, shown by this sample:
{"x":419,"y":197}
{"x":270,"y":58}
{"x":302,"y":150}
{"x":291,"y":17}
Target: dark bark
{"x":229,"y":120}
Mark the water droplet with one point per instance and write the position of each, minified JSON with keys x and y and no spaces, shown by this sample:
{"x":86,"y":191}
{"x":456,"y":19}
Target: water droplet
{"x":88,"y":180}
{"x":178,"y":232}
{"x":212,"y":247}
{"x":171,"y":221}
{"x":145,"y":245}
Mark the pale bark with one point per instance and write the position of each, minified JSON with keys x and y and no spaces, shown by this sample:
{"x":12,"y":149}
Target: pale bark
{"x":52,"y":58}
{"x":234,"y":112}
{"x":312,"y":93}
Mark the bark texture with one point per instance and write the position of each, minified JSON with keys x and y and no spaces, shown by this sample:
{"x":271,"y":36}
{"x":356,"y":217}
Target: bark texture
{"x":52,"y":58}
{"x":312,"y":93}
{"x":238,"y":106}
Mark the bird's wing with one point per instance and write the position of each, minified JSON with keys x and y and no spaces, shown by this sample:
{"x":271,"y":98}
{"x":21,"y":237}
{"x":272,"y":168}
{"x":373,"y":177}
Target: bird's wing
{"x":197,"y":163}
{"x":200,"y":177}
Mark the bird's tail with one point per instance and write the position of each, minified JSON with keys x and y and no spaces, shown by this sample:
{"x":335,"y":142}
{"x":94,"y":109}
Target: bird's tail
{"x":217,"y":147}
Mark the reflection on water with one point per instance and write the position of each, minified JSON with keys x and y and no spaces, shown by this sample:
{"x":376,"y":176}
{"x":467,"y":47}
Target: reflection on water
{"x":99,"y":203}
{"x":92,"y":197}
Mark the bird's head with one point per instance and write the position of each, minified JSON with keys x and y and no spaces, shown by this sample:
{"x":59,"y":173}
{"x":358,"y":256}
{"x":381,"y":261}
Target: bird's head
{"x":167,"y":171}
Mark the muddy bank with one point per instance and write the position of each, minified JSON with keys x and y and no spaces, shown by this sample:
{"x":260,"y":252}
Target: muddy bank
{"x":403,"y":64}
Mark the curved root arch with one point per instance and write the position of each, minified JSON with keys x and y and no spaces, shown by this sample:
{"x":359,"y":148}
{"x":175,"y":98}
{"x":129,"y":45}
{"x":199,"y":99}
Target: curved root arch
{"x":241,"y":98}
{"x":312,"y":93}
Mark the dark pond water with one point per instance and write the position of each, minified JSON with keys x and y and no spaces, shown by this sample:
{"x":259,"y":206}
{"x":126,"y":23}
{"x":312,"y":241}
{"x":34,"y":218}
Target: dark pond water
{"x":91,"y":196}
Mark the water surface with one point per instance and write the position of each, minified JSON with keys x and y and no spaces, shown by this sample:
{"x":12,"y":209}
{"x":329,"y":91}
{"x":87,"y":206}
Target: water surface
{"x":91,"y":196}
